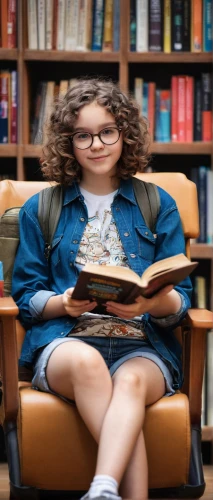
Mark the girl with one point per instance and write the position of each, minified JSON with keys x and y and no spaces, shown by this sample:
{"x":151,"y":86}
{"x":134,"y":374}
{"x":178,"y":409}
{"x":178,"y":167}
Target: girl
{"x":113,"y":365}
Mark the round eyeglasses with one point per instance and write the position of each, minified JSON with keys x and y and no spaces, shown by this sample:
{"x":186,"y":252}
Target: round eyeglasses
{"x":84,"y":140}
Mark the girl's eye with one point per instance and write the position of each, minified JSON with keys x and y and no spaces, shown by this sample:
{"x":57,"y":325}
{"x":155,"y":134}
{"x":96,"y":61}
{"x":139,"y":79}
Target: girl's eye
{"x":108,"y":131}
{"x":82,"y":136}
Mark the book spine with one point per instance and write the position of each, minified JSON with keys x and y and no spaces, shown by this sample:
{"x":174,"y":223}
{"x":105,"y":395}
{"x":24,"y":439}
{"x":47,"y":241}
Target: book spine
{"x":207,"y":25}
{"x":151,"y":107}
{"x":165,"y":106}
{"x":4,"y":97}
{"x":202,"y":191}
{"x":3,"y":20}
{"x":206,"y":106}
{"x":39,"y":133}
{"x":157,"y":116}
{"x":55,"y":22}
{"x":197,"y":111}
{"x":200,"y":292}
{"x":186,"y":25}
{"x":49,"y":24}
{"x":177,"y":25}
{"x":189,"y":82}
{"x":167,"y":27}
{"x":181,"y":109}
{"x":14,"y":98}
{"x":145,"y":100}
{"x":71,"y":24}
{"x":11,"y":24}
{"x":32,"y":25}
{"x":197,"y":26}
{"x":116,"y":25}
{"x":209,"y":183}
{"x":88,"y":24}
{"x":82,"y":26}
{"x":60,"y":25}
{"x":139,"y":92}
{"x":155,"y":28}
{"x":108,"y":26}
{"x":97,"y":25}
{"x":142,"y":18}
{"x":174,"y":109}
{"x":132,"y":25}
{"x":41,"y":24}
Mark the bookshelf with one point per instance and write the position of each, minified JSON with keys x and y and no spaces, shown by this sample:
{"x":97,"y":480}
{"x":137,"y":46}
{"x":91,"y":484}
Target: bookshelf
{"x":123,"y":66}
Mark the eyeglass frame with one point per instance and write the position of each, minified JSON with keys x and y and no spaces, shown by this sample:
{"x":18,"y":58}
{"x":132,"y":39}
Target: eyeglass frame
{"x":98,"y":135}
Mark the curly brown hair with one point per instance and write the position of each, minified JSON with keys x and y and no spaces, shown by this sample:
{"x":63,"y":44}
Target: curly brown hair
{"x":58,"y":162}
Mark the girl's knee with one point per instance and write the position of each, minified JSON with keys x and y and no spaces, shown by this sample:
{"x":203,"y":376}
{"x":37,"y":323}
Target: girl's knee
{"x":130,"y":381}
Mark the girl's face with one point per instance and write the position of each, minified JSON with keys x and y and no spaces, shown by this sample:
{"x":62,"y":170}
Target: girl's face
{"x":99,"y":159}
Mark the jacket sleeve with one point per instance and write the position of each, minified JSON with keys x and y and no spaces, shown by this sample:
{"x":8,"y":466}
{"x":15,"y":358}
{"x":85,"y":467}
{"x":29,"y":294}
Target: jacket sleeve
{"x":30,"y":283}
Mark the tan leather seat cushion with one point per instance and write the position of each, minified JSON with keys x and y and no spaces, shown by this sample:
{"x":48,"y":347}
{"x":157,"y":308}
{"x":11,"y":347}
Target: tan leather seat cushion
{"x":57,"y":451}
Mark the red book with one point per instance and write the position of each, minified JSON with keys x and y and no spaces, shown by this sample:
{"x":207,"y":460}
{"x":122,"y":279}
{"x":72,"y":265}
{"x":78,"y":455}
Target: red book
{"x":174,"y":109}
{"x":189,"y":84}
{"x":11,"y":24}
{"x":13,"y":109}
{"x":151,"y":107}
{"x":181,"y":118}
{"x":3,"y":18}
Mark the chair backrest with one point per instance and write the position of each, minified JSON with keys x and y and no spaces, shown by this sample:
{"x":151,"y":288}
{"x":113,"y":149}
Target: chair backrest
{"x":15,"y":193}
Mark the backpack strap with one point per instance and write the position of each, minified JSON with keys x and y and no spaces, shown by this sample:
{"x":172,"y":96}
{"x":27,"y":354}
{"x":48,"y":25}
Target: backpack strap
{"x":49,"y":210}
{"x":148,"y":199}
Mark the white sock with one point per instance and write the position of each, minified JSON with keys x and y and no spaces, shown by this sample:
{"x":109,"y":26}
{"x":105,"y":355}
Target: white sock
{"x":103,"y":483}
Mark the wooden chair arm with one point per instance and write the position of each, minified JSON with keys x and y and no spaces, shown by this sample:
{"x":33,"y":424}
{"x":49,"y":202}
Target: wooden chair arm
{"x":8,"y":360}
{"x":195,"y":327}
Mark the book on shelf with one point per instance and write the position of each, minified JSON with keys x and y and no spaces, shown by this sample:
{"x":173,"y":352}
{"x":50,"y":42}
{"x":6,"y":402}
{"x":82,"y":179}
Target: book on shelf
{"x":155,"y":27}
{"x":142,"y":21}
{"x":8,"y":21}
{"x":196,"y":35}
{"x":197,"y":110}
{"x":121,"y":284}
{"x":32,"y":25}
{"x":209,"y":379}
{"x":177,"y":25}
{"x":186,"y":25}
{"x":206,"y":106}
{"x":132,"y":25}
{"x":209,"y":196}
{"x":167,"y":40}
{"x":162,"y":116}
{"x":41,"y":24}
{"x":97,"y":25}
{"x":108,"y":27}
{"x":202,"y":176}
{"x":207,"y":25}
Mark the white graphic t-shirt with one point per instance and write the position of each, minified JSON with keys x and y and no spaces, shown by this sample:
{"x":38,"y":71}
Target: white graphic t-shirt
{"x":101,"y":244}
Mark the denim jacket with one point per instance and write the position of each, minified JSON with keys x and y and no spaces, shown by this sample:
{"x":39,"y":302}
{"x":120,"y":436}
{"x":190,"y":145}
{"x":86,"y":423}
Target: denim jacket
{"x":35,"y":279}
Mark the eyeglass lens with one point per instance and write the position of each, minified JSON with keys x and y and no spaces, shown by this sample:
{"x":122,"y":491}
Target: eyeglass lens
{"x":83,"y":140}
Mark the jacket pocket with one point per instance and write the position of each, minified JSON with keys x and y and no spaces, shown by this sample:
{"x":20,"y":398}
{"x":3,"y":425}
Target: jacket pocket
{"x":146,"y":243}
{"x":55,"y":254}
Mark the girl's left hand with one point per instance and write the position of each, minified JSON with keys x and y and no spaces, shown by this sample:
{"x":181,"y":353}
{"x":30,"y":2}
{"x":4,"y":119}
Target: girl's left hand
{"x":139,"y":307}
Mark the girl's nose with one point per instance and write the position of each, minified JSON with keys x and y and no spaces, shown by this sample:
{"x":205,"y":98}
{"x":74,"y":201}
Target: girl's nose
{"x":97,"y":144}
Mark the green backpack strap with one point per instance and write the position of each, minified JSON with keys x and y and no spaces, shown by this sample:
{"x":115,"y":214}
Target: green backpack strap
{"x":49,"y":210}
{"x":148,"y":199}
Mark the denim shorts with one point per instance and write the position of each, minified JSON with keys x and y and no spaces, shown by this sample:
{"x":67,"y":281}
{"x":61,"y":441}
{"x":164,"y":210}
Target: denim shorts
{"x":115,"y":352}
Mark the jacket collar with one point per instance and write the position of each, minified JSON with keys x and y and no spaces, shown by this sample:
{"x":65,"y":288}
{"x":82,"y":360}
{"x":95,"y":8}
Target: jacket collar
{"x":125,"y":190}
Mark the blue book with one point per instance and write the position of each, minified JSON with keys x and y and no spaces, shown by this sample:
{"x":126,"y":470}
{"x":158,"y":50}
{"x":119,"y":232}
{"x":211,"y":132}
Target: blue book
{"x":207,"y":25}
{"x":97,"y":25}
{"x":145,"y":100}
{"x":157,"y":115}
{"x":163,"y":115}
{"x":116,"y":25}
{"x":132,"y":25}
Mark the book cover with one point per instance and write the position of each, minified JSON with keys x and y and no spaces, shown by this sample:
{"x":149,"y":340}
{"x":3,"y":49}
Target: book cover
{"x":60,"y":25}
{"x":157,"y":116}
{"x":142,"y":21}
{"x":145,"y":99}
{"x":11,"y":24}
{"x":167,"y":27}
{"x":177,"y":25}
{"x":132,"y":25}
{"x":206,"y":106}
{"x":3,"y":21}
{"x":207,"y":25}
{"x":121,"y":284}
{"x":116,"y":25}
{"x":4,"y":106}
{"x":164,"y":117}
{"x":97,"y":25}
{"x":84,"y":32}
{"x":181,"y":110}
{"x":189,"y":82}
{"x":14,"y":99}
{"x":197,"y":26}
{"x":155,"y":28}
{"x":55,"y":22}
{"x":108,"y":27}
{"x":186,"y":25}
{"x":49,"y":24}
{"x":197,"y":110}
{"x":174,"y":109}
{"x":41,"y":24}
{"x":32,"y":25}
{"x":71,"y":24}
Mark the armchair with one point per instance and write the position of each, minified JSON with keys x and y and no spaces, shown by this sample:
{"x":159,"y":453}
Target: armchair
{"x":49,"y":449}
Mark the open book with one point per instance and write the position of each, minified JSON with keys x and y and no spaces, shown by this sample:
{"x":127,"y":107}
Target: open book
{"x":121,"y":284}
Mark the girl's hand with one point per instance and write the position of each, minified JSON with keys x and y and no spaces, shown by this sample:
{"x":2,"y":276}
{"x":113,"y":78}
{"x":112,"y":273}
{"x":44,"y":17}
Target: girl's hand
{"x":76,"y":307}
{"x":140,"y":306}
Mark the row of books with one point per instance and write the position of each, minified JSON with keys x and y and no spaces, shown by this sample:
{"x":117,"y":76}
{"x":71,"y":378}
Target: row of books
{"x":171,"y":25}
{"x":182,"y":113}
{"x":203,"y":178}
{"x":8,"y":21}
{"x":74,"y":25}
{"x":8,"y":107}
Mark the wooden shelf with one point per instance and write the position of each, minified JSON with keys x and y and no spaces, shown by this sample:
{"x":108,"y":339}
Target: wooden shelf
{"x":207,"y":433}
{"x":66,"y":56}
{"x":201,"y":251}
{"x":31,"y":150}
{"x":8,"y":54}
{"x":173,"y":57}
{"x":8,"y":150}
{"x":182,"y":148}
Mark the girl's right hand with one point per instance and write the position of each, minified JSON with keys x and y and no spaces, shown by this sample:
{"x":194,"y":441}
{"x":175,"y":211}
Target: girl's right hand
{"x":76,"y":307}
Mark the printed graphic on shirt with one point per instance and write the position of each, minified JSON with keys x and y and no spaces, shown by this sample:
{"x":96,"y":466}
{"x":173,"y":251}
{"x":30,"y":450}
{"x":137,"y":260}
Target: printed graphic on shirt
{"x":101,"y":243}
{"x":112,"y":327}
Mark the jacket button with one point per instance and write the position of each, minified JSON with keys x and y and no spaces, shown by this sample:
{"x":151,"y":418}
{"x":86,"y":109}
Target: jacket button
{"x":62,"y":333}
{"x":132,"y":255}
{"x":71,"y":264}
{"x":75,"y":241}
{"x":146,"y":233}
{"x":117,"y":208}
{"x":82,"y":219}
{"x":126,"y":234}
